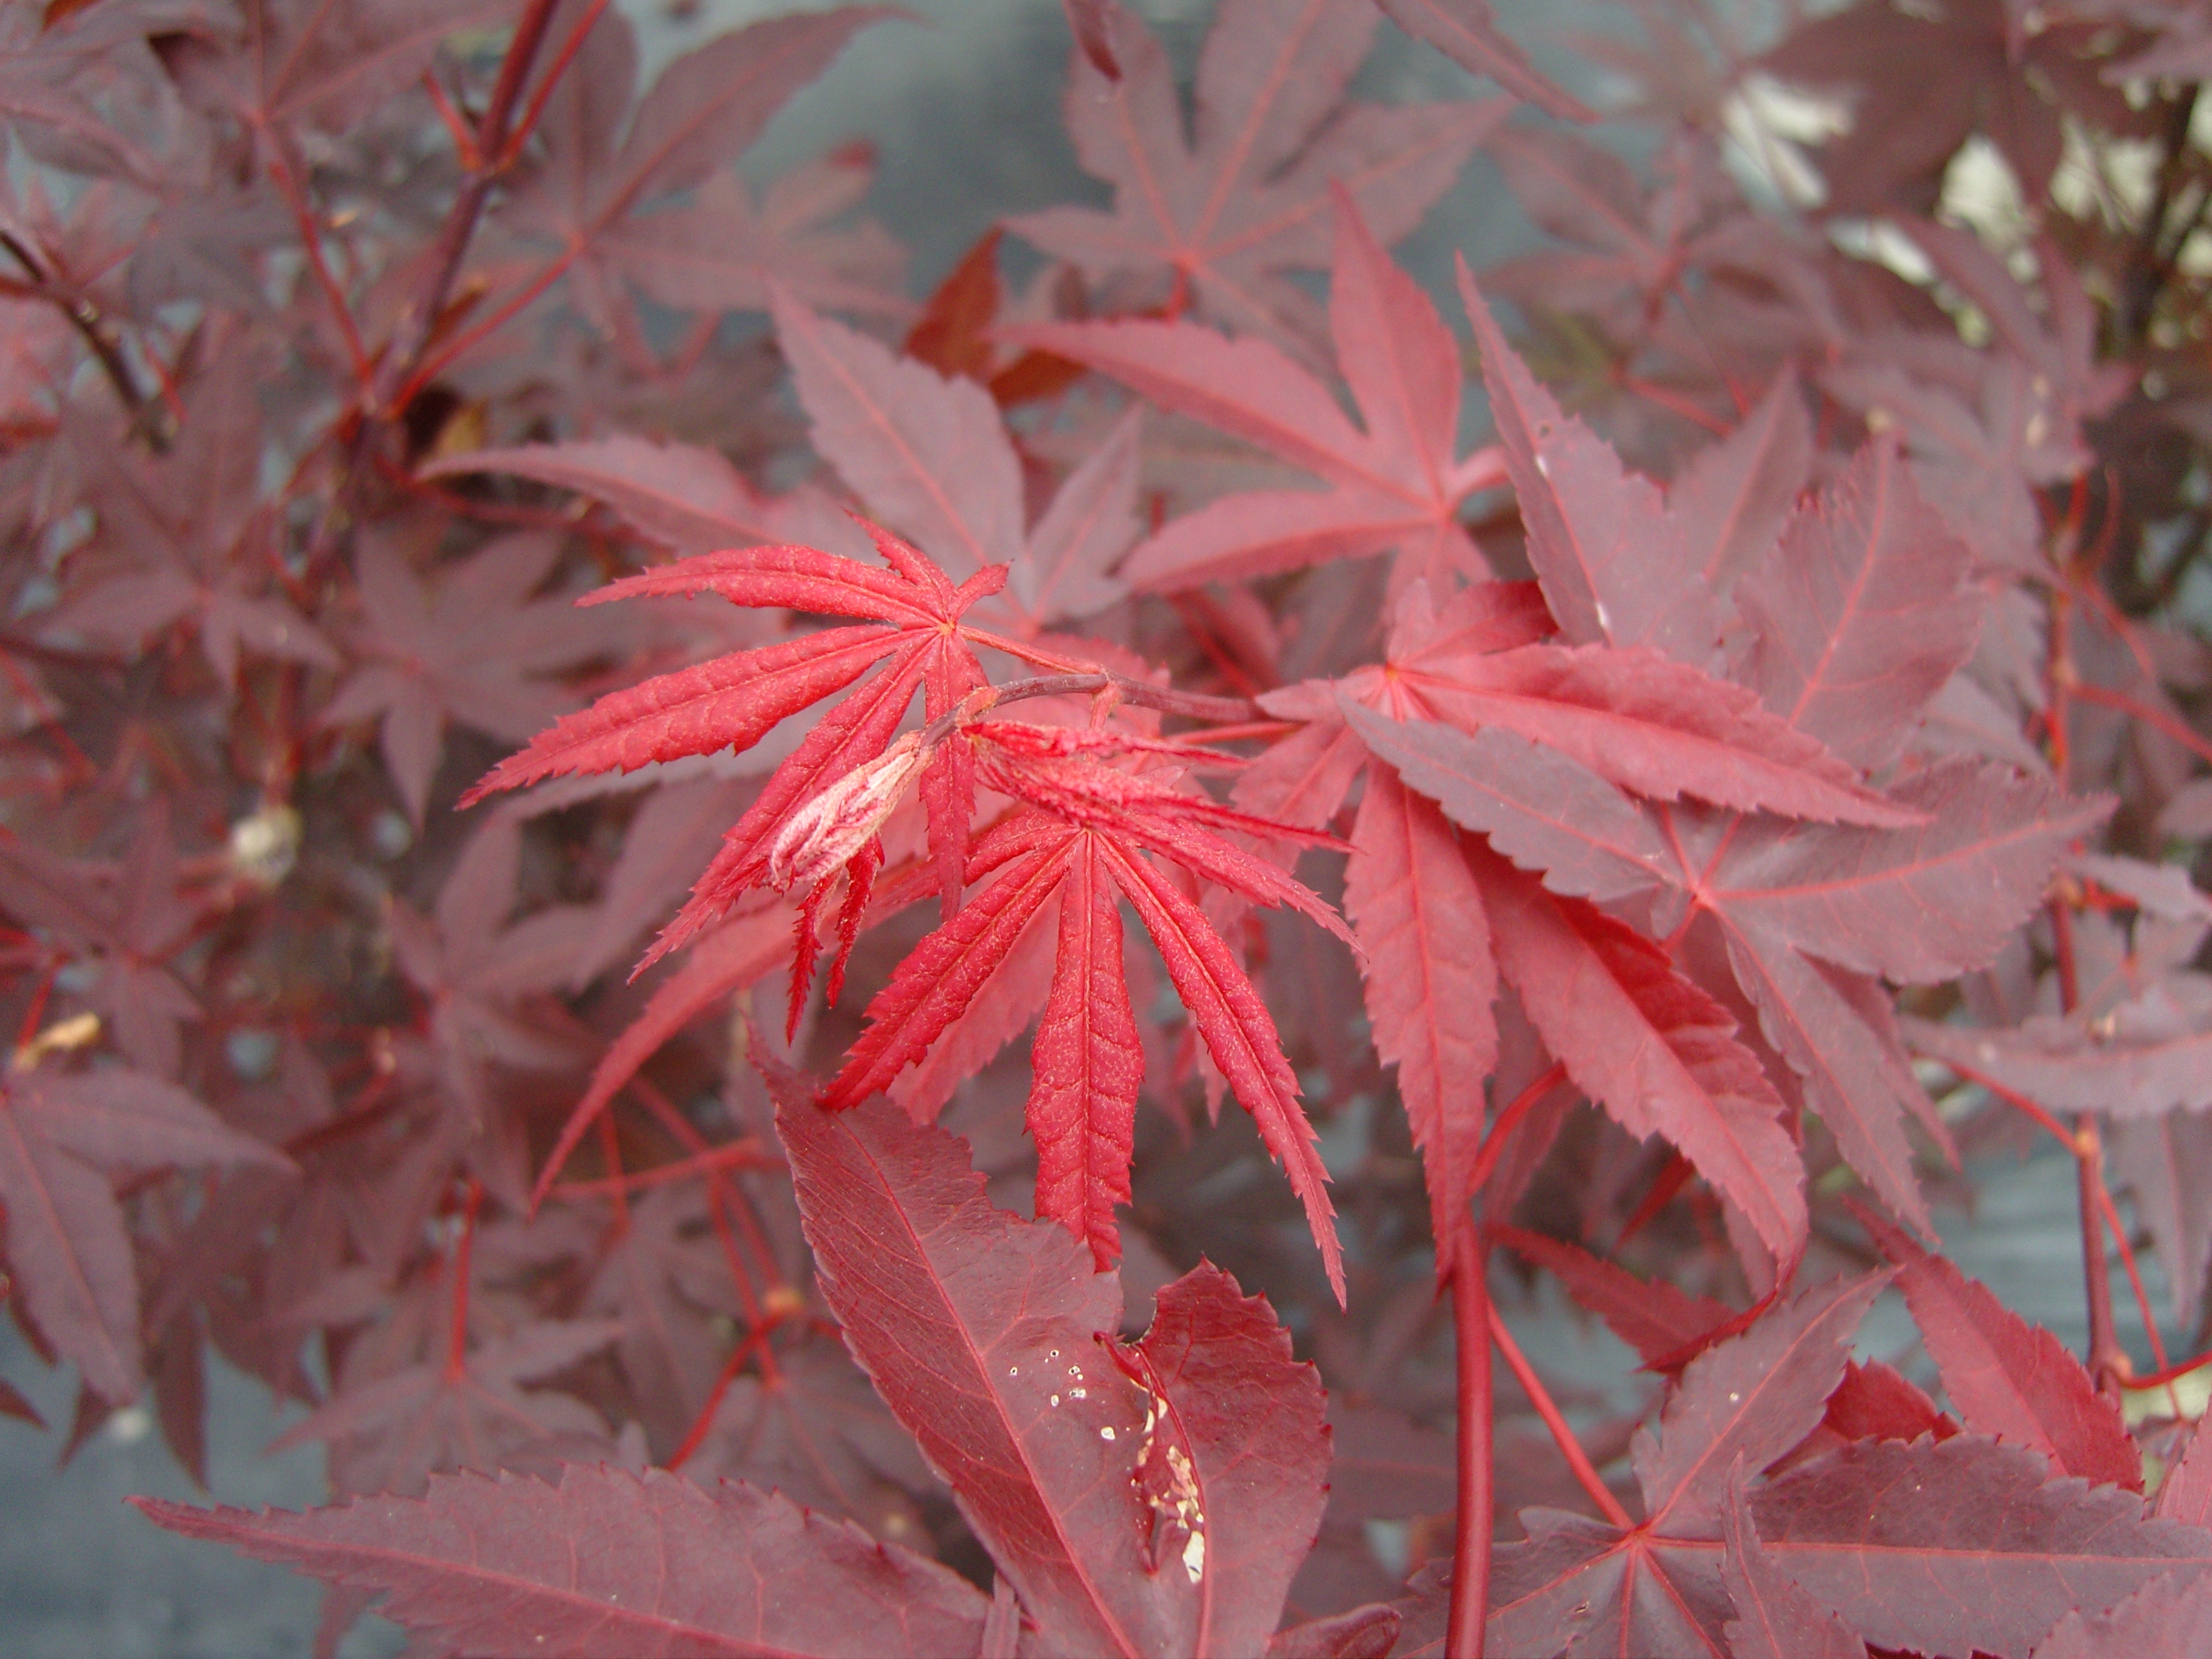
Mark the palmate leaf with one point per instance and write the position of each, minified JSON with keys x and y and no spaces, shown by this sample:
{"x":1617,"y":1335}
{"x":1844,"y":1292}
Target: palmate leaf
{"x":1775,"y":1618}
{"x":1466,"y":32}
{"x":1947,"y":1548}
{"x":1919,"y":905}
{"x":602,"y":194}
{"x":1152,"y":1500}
{"x":1651,"y":1316}
{"x":607,"y":1561}
{"x":2170,"y":1615}
{"x":929,"y":453}
{"x":1397,"y":483}
{"x":2150,"y":1057}
{"x":1861,"y":612}
{"x":685,"y":498}
{"x":473,"y":648}
{"x":391,"y":1433}
{"x":1657,"y":1052}
{"x":2006,"y":1378}
{"x":67,"y":1247}
{"x":1615,"y":565}
{"x":1641,"y":720}
{"x":1221,"y":216}
{"x":735,"y":700}
{"x":1964,"y":1547}
{"x":1431,"y":979}
{"x":1656,"y":1588}
{"x":1087,"y":846}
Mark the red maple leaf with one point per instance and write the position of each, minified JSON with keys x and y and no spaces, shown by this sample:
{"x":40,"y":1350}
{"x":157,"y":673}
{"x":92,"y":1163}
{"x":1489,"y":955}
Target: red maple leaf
{"x":1398,"y":484}
{"x":1215,"y":219}
{"x":62,"y":1136}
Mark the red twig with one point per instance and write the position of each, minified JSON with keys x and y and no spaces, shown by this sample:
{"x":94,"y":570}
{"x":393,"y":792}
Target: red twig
{"x":1471,"y":1319}
{"x":1671,"y":1181}
{"x":310,"y":242}
{"x":2167,"y":1377}
{"x":1555,"y":1420}
{"x":2179,"y":730}
{"x":756,"y":1341}
{"x":456,"y":123}
{"x":1493,"y":1144}
{"x":457,"y":1336}
{"x":538,"y":100}
{"x":435,"y":363}
{"x":618,"y":1186}
{"x":733,"y":1155}
{"x":410,"y":339}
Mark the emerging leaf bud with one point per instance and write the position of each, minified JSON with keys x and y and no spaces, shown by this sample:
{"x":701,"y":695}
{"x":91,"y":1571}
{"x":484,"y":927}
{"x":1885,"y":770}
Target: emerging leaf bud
{"x":844,"y":818}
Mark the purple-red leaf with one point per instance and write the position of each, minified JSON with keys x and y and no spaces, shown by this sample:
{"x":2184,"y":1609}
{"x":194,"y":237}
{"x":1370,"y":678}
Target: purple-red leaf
{"x":1861,"y":613}
{"x":684,"y":497}
{"x":1088,"y":1062}
{"x":1614,"y":565}
{"x":1922,"y":905}
{"x":608,"y":1562}
{"x":1651,"y":1048}
{"x":2170,"y":1617}
{"x":1963,"y":1546}
{"x":1399,"y":482}
{"x":1652,"y":1316}
{"x":1240,"y":1035}
{"x":1656,"y":728}
{"x":1751,"y":1397}
{"x":2010,"y":1380}
{"x":2186,"y":1492}
{"x":1431,"y":980}
{"x":1163,"y":1516}
{"x":1224,"y":211}
{"x":67,"y":1248}
{"x":1542,"y":810}
{"x":1775,"y":1618}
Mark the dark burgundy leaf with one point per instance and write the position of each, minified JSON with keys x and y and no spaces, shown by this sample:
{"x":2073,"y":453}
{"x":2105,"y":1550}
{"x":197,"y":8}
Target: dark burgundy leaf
{"x":611,"y":1562}
{"x":1225,"y":212}
{"x":2010,"y":1380}
{"x":2170,"y":1615}
{"x":1861,"y":613}
{"x":1963,"y":1546}
{"x":945,"y":1299}
{"x":1774,"y":1617}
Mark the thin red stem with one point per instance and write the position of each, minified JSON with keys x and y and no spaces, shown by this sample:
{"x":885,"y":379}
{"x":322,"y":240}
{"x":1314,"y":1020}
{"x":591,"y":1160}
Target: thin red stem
{"x":734,"y":1155}
{"x":2156,"y":718}
{"x":1476,"y":1497}
{"x":696,"y":1435}
{"x":311,"y":241}
{"x":435,"y":363}
{"x":456,"y":123}
{"x":1555,"y":1420}
{"x":412,"y":338}
{"x":2135,"y":1286}
{"x":543,"y":95}
{"x":1493,"y":1144}
{"x":457,"y":1336}
{"x":610,"y":1155}
{"x":2169,"y":1375}
{"x":1671,"y":1179}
